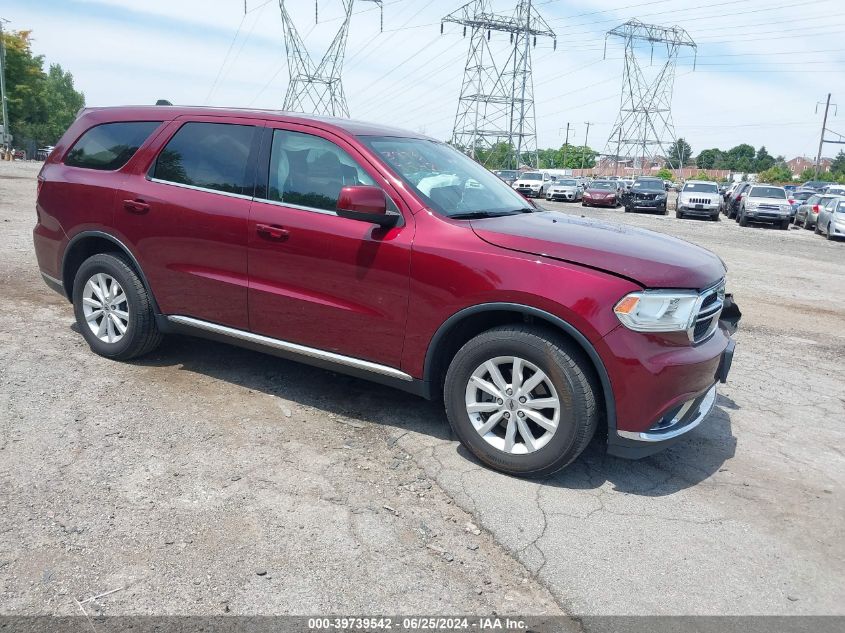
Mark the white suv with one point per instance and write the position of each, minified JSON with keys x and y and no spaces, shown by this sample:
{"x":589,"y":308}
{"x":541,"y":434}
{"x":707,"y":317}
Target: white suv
{"x":765,"y":203}
{"x":698,"y":198}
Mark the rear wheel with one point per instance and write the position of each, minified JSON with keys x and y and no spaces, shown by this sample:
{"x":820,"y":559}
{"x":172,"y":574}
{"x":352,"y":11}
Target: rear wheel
{"x":816,"y":228}
{"x":113,"y":310}
{"x":830,"y":236}
{"x":521,"y":400}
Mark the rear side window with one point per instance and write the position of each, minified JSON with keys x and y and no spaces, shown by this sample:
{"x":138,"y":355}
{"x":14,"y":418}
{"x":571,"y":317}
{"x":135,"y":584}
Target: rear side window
{"x":209,"y":156}
{"x":109,"y":146}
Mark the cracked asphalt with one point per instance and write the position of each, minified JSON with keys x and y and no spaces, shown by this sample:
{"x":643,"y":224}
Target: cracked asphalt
{"x":206,"y":479}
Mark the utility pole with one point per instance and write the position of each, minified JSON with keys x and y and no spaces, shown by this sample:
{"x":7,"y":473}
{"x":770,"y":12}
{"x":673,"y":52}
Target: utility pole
{"x":565,"y":145}
{"x":3,"y":138}
{"x":618,"y":145}
{"x":821,"y":138}
{"x":584,"y":151}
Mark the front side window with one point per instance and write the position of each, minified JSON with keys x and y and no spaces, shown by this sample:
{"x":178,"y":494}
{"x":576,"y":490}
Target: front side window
{"x":109,"y":146}
{"x":767,"y":192}
{"x":209,"y":156}
{"x":310,"y":171}
{"x":451,"y":182}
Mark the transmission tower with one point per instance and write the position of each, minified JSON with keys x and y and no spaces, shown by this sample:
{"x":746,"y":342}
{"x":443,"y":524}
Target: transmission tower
{"x":644,"y":130}
{"x":317,"y":89}
{"x":497,"y":97}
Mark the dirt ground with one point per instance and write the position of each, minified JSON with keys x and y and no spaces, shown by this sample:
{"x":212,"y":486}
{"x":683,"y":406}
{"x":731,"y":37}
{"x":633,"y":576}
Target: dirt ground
{"x":205,"y":479}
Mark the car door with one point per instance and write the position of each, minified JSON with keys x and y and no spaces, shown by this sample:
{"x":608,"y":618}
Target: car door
{"x":317,"y":279}
{"x":186,"y":214}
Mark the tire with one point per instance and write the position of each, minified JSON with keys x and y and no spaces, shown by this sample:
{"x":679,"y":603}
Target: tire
{"x":816,"y":228}
{"x":665,"y":211}
{"x":807,"y":222}
{"x":743,"y":221}
{"x":679,"y":215}
{"x":784,"y":225}
{"x":565,"y":377}
{"x":140,"y":335}
{"x":715,"y":217}
{"x":830,"y":237}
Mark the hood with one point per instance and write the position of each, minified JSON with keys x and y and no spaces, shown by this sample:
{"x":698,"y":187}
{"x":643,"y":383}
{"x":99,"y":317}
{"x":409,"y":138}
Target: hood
{"x":651,"y":259}
{"x":604,"y":191}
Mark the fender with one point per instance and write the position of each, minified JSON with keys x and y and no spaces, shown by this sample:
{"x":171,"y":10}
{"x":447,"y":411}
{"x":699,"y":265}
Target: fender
{"x":580,"y":339}
{"x":122,"y":247}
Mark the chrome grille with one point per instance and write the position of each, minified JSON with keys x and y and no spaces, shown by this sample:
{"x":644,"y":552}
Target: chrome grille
{"x":709,"y":310}
{"x":699,"y":201}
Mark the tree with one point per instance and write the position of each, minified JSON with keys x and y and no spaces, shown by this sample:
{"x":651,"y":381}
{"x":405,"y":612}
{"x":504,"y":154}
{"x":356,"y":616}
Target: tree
{"x":665,"y":174}
{"x":41,"y":105}
{"x":739,"y":158}
{"x":775,"y":174}
{"x":763,"y":160}
{"x":838,"y":165}
{"x":707,"y":158}
{"x":679,"y":153}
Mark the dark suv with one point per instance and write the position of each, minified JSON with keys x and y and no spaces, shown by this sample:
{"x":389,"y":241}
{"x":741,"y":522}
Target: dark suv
{"x":385,"y":255}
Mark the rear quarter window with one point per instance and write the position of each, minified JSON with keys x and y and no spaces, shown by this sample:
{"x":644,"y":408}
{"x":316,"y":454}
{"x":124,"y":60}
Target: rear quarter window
{"x":109,"y":146}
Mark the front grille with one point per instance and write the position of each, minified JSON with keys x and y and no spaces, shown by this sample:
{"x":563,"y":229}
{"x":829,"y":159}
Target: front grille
{"x":699,"y":201}
{"x":769,"y":207}
{"x":709,"y":311}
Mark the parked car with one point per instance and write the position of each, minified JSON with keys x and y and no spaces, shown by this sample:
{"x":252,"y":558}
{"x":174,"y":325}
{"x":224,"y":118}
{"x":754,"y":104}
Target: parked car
{"x":565,"y":189}
{"x":831,"y":221}
{"x":698,"y":198}
{"x":808,"y":211}
{"x":43,"y":152}
{"x":601,"y":193}
{"x":797,"y":197}
{"x":765,"y":203}
{"x":646,"y":194}
{"x":385,"y":255}
{"x":834,"y":190}
{"x":816,"y":185}
{"x":532,"y":184}
{"x":508,"y":176}
{"x":732,"y":204}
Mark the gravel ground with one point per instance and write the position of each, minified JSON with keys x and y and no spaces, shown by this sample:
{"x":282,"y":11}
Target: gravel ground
{"x":207,"y":479}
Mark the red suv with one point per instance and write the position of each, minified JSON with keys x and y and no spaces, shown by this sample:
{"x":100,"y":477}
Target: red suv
{"x":386,"y":255}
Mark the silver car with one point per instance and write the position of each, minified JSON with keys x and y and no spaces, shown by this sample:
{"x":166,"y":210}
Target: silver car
{"x":699,"y":198}
{"x":765,"y":203}
{"x":566,"y":189}
{"x":831,"y":220}
{"x":808,"y":211}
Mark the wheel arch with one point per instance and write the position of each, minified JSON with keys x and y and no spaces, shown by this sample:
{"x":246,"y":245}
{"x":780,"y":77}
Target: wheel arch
{"x":467,"y":323}
{"x":87,"y":243}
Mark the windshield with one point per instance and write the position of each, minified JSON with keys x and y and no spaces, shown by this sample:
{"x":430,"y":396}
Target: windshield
{"x":531,"y":176}
{"x":703,"y":187}
{"x":648,"y":185}
{"x":802,"y":195}
{"x":506,"y":174}
{"x":602,"y":185}
{"x":767,"y":192}
{"x":567,"y":183}
{"x":451,"y":182}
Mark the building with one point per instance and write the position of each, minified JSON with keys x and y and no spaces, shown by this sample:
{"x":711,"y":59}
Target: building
{"x":798,"y":164}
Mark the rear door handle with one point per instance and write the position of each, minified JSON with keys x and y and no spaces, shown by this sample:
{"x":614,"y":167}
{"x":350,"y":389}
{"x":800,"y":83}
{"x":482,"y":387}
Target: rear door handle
{"x":136,"y":206}
{"x":272,"y":232}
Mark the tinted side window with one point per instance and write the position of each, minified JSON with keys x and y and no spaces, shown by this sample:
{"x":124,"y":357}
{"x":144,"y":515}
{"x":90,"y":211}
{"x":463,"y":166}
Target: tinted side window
{"x":109,"y":146}
{"x":208,"y":155}
{"x":310,"y":171}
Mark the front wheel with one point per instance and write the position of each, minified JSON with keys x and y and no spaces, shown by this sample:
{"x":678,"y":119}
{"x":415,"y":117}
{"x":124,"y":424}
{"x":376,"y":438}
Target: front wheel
{"x":784,"y":225}
{"x":521,"y":400}
{"x":113,"y":310}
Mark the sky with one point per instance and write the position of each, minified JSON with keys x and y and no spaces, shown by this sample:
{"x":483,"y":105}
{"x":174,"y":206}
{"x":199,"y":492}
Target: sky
{"x":762,"y":66}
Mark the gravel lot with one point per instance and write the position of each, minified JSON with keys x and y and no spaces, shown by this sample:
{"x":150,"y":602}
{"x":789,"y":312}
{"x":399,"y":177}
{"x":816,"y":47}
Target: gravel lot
{"x":206,"y":479}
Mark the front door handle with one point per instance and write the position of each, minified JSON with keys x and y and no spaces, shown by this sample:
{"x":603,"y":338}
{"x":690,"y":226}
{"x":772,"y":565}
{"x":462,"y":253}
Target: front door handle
{"x":136,"y":206}
{"x":272,"y":232}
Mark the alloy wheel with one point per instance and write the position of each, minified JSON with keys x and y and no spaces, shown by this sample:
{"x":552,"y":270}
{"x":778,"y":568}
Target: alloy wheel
{"x":513,"y":405}
{"x":105,"y":308}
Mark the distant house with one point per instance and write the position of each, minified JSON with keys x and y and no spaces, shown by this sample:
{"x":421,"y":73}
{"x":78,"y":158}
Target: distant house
{"x":800,"y":163}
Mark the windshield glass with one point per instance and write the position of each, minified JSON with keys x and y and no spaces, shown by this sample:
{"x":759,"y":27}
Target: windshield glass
{"x":648,"y":185}
{"x":506,"y":174}
{"x":602,"y":185}
{"x":767,"y":192}
{"x":567,"y":183}
{"x":703,"y":187}
{"x":802,"y":195}
{"x":531,"y":176}
{"x":451,"y":182}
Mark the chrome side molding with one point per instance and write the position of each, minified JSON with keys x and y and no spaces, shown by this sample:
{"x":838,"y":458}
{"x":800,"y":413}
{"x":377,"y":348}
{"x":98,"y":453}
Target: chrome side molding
{"x":293,"y":348}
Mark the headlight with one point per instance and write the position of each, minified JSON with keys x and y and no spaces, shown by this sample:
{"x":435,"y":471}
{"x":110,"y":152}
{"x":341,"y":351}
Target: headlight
{"x":750,"y":205}
{"x":657,"y":310}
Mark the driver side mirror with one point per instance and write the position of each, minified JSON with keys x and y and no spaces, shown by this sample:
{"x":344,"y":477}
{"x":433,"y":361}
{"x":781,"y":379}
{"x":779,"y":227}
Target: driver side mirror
{"x":366,"y":204}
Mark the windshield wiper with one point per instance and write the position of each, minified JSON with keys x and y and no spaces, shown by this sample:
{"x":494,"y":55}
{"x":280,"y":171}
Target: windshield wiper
{"x":478,"y":215}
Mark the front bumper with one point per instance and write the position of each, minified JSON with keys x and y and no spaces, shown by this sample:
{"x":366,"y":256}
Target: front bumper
{"x":528,"y":191}
{"x":601,"y":202}
{"x":758,"y":215}
{"x":560,"y":195}
{"x":699,"y":209}
{"x":664,"y":391}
